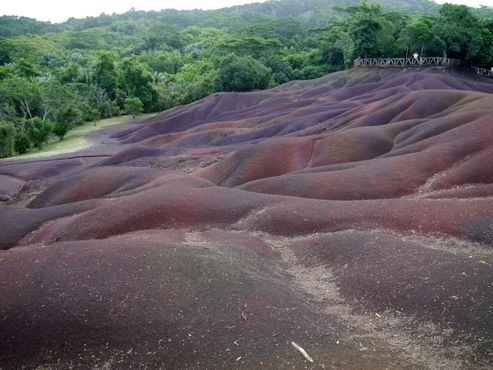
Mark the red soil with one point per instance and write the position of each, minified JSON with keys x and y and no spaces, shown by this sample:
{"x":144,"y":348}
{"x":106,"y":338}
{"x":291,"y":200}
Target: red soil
{"x":352,"y":215}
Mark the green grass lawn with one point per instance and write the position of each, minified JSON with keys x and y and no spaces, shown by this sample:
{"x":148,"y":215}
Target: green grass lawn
{"x":74,"y":139}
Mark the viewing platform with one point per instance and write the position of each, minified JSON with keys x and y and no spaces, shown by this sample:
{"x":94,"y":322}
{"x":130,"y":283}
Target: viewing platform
{"x":420,"y":62}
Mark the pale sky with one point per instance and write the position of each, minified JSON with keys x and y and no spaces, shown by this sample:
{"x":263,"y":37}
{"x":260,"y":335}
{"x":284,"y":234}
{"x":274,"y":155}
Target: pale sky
{"x":61,"y":10}
{"x":474,"y":3}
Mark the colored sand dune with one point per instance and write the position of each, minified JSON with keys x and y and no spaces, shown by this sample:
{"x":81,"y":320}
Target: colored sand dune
{"x":352,"y":215}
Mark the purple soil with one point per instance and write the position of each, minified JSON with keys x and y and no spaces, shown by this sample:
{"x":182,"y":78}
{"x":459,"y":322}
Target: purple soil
{"x":352,"y":214}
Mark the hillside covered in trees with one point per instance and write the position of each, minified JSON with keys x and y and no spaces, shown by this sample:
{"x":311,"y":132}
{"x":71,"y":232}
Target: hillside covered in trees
{"x":56,"y":76}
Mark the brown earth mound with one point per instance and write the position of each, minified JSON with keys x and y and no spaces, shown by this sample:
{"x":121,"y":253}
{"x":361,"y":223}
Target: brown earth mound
{"x":352,"y":215}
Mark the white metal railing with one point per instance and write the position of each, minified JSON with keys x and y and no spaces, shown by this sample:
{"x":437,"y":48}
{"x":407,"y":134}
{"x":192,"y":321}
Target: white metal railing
{"x":483,"y":72}
{"x":412,"y":62}
{"x":420,"y":62}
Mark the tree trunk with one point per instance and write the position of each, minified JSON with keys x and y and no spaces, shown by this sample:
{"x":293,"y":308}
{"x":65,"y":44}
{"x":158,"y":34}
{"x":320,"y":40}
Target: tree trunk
{"x":25,"y":107}
{"x":45,"y":113}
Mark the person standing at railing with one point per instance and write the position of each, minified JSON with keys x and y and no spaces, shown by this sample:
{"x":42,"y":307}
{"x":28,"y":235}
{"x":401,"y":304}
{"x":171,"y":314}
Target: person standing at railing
{"x":357,"y":61}
{"x":491,"y":72}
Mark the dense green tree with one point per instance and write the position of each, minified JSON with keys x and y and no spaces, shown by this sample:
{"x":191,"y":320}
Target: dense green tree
{"x":70,"y":114}
{"x":297,"y":60}
{"x":287,"y":30}
{"x":484,"y":12}
{"x":6,"y":71}
{"x":7,"y":49}
{"x":23,"y":94}
{"x":170,"y":94}
{"x":485,"y":55}
{"x":88,"y":113}
{"x":106,"y":75}
{"x":281,"y":70}
{"x":163,"y":36}
{"x":33,"y":48}
{"x":60,"y":129}
{"x":163,"y":62}
{"x":364,"y":29}
{"x":11,"y":26}
{"x":86,"y":39}
{"x":91,"y":100}
{"x":8,"y":112}
{"x":418,"y":36}
{"x":39,"y":132}
{"x":242,"y":74}
{"x":21,"y":143}
{"x":133,"y":106}
{"x":193,"y":82}
{"x":7,"y":132}
{"x":334,"y":46}
{"x":25,"y":68}
{"x":71,"y":74}
{"x":137,"y":82}
{"x":53,"y":61}
{"x":255,"y":47}
{"x":311,"y":71}
{"x":465,"y":35}
{"x":53,"y":97}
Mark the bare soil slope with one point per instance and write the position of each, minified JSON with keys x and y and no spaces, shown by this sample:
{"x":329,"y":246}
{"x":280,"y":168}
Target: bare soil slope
{"x":352,"y":215}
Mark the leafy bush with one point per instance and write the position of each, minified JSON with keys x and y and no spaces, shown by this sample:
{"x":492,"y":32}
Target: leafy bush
{"x":242,"y":74}
{"x":7,"y":131}
{"x":60,"y":129}
{"x":133,"y":106}
{"x":39,"y":132}
{"x":22,"y":143}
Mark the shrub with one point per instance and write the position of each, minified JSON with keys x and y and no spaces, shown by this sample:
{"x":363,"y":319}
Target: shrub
{"x":22,"y":143}
{"x":7,"y":131}
{"x":133,"y":106}
{"x":60,"y":129}
{"x":39,"y":132}
{"x":242,"y":74}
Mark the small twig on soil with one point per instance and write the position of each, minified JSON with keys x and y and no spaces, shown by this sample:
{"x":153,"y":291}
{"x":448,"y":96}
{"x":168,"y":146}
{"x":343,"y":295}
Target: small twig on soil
{"x":302,"y":351}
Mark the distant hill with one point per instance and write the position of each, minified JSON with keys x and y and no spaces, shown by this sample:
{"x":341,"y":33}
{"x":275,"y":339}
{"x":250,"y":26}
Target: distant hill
{"x":11,"y":26}
{"x":313,"y":12}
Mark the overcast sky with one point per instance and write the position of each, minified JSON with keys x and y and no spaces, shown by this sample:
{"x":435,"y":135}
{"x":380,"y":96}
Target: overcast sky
{"x":61,"y":10}
{"x":467,"y":2}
